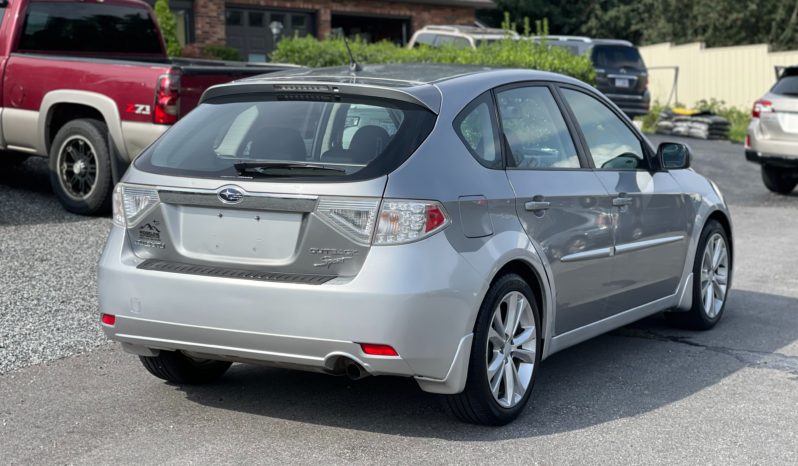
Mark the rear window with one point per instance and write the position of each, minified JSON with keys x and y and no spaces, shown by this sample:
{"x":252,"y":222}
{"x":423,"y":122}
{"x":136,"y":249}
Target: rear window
{"x":350,"y":139}
{"x":89,"y":28}
{"x":617,"y":57}
{"x":787,"y":85}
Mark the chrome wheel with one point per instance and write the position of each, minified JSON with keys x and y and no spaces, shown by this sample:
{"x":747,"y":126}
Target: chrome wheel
{"x":77,"y":167}
{"x":714,"y":275}
{"x":511,"y":348}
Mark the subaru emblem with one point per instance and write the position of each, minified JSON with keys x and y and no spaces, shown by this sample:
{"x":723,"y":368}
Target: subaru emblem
{"x":231,"y":195}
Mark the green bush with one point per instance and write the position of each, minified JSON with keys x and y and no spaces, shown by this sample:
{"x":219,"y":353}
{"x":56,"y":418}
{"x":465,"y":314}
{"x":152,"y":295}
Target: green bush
{"x":223,"y":53}
{"x":309,"y":51}
{"x":168,"y":28}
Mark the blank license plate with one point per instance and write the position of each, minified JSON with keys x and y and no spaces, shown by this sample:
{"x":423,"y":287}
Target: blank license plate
{"x":621,"y":83}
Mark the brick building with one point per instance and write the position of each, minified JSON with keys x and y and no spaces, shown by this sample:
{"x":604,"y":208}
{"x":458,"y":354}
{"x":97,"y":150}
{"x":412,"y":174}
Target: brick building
{"x":245,"y":24}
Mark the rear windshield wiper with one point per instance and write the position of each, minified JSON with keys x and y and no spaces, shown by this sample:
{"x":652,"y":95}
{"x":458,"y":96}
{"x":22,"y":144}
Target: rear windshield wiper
{"x":244,"y":167}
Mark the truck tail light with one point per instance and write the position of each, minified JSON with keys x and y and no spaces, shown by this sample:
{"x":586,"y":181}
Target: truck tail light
{"x":762,"y":106}
{"x":405,"y":221}
{"x":167,"y":99}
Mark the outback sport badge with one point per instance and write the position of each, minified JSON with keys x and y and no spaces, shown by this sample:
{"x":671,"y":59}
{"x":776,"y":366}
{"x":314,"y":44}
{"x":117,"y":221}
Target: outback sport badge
{"x":231,"y":195}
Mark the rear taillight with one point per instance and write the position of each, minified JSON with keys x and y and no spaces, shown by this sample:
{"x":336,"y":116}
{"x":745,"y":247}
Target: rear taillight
{"x":406,"y":221}
{"x":167,"y":99}
{"x":130,"y":203}
{"x":761,"y":106}
{"x":352,"y":217}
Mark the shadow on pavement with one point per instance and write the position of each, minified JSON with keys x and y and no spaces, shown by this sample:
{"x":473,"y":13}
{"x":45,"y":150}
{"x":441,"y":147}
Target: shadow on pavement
{"x":614,"y":376}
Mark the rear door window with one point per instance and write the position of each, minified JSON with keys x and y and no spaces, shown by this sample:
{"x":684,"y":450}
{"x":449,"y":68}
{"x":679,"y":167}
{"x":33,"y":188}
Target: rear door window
{"x":89,"y":28}
{"x":476,"y":126}
{"x":606,"y":56}
{"x":351,"y":138}
{"x":535,"y":129}
{"x":787,"y":86}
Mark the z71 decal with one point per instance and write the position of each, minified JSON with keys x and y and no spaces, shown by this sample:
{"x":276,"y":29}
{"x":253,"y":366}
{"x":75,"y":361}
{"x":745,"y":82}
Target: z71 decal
{"x":140,"y":109}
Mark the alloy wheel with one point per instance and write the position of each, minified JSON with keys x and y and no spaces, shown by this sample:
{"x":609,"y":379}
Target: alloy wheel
{"x":77,"y":167}
{"x":714,"y":275}
{"x":511,"y":348}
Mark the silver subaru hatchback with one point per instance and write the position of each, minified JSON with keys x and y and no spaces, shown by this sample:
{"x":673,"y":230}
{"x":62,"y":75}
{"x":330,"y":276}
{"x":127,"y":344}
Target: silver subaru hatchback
{"x":453,"y":224}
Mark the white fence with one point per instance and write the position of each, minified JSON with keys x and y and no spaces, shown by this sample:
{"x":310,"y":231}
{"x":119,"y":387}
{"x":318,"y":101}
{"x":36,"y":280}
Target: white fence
{"x":737,"y":75}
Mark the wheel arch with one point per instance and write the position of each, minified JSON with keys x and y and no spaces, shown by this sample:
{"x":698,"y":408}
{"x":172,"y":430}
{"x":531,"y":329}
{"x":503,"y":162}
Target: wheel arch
{"x":57,"y":106}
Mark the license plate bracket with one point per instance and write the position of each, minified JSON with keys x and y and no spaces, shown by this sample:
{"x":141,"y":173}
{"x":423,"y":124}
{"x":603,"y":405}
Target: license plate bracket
{"x":621,"y":82}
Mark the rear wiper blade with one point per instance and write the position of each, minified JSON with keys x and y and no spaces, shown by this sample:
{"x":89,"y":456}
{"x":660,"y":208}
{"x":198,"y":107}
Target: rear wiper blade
{"x":245,"y":166}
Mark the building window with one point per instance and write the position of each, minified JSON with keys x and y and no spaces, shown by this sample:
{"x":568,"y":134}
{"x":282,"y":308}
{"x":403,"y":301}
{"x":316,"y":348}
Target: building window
{"x":183,"y":13}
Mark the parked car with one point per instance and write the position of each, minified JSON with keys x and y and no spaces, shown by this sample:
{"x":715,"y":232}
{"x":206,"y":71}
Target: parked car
{"x":621,"y":73}
{"x":468,"y":36}
{"x":772,"y":136}
{"x":460,"y":244}
{"x":89,"y":85}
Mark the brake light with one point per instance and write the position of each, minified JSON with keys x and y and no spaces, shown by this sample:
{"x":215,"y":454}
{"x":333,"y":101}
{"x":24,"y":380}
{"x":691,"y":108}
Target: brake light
{"x":762,"y":106}
{"x":378,"y":350}
{"x":403,"y":221}
{"x":167,"y":99}
{"x":109,"y":319}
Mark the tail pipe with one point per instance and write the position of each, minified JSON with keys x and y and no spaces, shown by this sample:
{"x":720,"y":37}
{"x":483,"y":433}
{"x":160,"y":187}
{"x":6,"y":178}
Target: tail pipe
{"x":355,"y":371}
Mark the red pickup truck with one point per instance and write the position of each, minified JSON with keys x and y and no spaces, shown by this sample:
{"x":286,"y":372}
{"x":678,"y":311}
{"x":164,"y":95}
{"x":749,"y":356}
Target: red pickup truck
{"x":88,"y":84}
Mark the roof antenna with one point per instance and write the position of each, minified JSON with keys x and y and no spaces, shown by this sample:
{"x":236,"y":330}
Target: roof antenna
{"x":353,"y":65}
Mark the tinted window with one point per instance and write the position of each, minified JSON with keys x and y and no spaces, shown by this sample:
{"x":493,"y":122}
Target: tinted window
{"x":535,"y":129}
{"x":617,"y":57}
{"x":476,"y":126}
{"x":612,"y":144}
{"x":89,"y":27}
{"x":462,"y":41}
{"x":363,"y":137}
{"x":787,"y":85}
{"x":2,"y":13}
{"x":424,"y":39}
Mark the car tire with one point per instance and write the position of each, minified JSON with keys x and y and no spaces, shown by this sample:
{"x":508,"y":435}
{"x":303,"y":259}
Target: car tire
{"x":699,"y":317}
{"x":80,"y":167}
{"x":779,"y":180}
{"x":11,"y":159}
{"x":477,"y":403}
{"x":176,"y":367}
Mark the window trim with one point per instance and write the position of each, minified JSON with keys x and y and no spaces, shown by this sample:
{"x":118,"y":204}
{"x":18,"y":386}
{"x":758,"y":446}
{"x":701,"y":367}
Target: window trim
{"x":648,"y":152}
{"x":584,"y":163}
{"x":492,"y":104}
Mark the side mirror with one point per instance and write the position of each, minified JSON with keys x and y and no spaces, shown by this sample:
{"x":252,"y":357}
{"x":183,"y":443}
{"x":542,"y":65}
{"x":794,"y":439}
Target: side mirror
{"x":674,"y":156}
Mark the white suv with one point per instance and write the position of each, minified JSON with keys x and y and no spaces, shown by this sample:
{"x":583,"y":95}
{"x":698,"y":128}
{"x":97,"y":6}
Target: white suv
{"x":470,"y":36}
{"x":772,"y":137}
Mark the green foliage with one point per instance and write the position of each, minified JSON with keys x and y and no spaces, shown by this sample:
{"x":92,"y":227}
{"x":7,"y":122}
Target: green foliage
{"x":718,"y":23}
{"x":309,"y":51}
{"x":168,"y":28}
{"x":223,"y":53}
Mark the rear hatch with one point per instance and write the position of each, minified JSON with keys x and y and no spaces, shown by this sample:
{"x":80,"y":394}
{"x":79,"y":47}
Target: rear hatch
{"x":269,"y":186}
{"x":781,"y":123}
{"x":619,"y":70}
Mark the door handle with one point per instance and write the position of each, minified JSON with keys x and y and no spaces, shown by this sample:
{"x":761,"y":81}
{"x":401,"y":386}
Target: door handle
{"x":622,"y":201}
{"x":537,"y":205}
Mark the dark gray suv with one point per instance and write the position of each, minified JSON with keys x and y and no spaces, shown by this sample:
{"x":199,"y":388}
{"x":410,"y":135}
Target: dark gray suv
{"x":622,"y":76}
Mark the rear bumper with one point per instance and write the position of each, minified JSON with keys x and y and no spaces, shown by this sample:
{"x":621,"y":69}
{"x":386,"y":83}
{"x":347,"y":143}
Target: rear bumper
{"x":419,"y":298}
{"x":768,"y":151}
{"x":776,"y":160}
{"x":632,"y":105}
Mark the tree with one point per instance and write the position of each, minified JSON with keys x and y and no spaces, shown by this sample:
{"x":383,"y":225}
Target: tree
{"x":168,"y":28}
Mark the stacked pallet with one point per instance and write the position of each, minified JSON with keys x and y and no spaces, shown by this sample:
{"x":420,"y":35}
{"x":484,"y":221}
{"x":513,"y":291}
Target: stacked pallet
{"x":703,"y":125}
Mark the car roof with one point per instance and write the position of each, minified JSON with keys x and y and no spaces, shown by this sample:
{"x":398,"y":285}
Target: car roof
{"x":473,"y":31}
{"x":422,"y":82}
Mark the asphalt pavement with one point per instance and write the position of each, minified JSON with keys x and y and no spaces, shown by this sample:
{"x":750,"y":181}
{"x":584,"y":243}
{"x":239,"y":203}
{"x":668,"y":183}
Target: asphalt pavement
{"x":643,"y":394}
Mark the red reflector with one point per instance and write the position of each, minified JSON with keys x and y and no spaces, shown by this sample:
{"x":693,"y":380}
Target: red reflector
{"x":435,"y":218}
{"x":378,"y":350}
{"x":747,"y":141}
{"x":109,"y":319}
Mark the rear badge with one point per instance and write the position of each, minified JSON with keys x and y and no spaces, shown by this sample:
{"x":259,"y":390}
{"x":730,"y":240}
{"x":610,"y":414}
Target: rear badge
{"x":333,"y":256}
{"x":231,"y":195}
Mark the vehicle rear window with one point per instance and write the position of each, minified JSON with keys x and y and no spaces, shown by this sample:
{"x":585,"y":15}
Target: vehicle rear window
{"x":787,"y":85}
{"x":89,"y":28}
{"x":343,"y":140}
{"x":617,"y":57}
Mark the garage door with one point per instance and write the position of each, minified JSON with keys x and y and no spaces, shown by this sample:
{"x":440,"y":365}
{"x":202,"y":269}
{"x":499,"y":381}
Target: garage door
{"x":248,"y":29}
